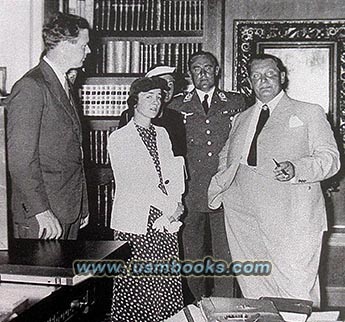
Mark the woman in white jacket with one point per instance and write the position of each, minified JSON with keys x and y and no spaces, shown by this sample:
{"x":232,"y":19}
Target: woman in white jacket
{"x":147,"y":205}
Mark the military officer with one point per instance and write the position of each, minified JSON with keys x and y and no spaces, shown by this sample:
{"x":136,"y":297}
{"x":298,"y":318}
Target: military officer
{"x":207,"y":113}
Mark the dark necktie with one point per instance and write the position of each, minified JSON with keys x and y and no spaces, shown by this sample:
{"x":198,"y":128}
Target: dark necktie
{"x":205,"y":104}
{"x":67,"y":87}
{"x":264,"y":115}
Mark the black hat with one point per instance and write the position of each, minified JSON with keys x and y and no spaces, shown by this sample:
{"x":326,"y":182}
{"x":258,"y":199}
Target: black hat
{"x":145,"y":84}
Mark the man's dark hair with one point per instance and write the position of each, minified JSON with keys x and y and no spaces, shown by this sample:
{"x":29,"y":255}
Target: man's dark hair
{"x":62,"y":27}
{"x":202,"y":53}
{"x":277,"y":60}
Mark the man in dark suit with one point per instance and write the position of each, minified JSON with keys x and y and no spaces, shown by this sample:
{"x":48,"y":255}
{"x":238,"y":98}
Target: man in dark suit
{"x":207,"y":112}
{"x":45,"y":158}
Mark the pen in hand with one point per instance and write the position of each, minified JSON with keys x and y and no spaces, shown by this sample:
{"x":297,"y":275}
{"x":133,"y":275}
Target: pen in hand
{"x":278,"y":165}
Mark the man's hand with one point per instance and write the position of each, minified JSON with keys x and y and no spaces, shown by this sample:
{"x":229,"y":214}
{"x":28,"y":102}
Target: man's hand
{"x":285,"y":171}
{"x":49,"y":226}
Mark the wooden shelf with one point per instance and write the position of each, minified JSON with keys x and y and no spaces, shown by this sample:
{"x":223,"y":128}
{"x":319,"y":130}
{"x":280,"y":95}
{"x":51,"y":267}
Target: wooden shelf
{"x":115,"y":75}
{"x":155,"y":40}
{"x":108,"y":79}
{"x":147,"y":34}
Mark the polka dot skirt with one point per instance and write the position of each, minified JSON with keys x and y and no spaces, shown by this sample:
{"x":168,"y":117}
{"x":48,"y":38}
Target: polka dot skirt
{"x":148,"y":298}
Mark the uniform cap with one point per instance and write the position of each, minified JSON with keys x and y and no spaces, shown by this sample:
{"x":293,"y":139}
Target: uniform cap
{"x":160,"y":70}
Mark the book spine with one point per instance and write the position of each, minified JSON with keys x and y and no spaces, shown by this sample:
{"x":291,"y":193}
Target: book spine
{"x":128,"y":57}
{"x":89,"y":4}
{"x":146,"y":57}
{"x":135,"y":57}
{"x":201,"y":20}
{"x":155,"y":55}
{"x":120,"y":7}
{"x":147,"y":14}
{"x":102,"y":12}
{"x":162,"y":54}
{"x":107,"y":15}
{"x":180,"y":67}
{"x":131,"y":13}
{"x":142,"y":50}
{"x":169,"y":54}
{"x":180,"y":15}
{"x":158,"y":15}
{"x":96,"y":21}
{"x":125,"y":15}
{"x":120,"y":56}
{"x":163,"y":21}
{"x":175,"y":4}
{"x":195,"y":6}
{"x":152,"y":16}
{"x":110,"y":56}
{"x":150,"y":57}
{"x":185,"y":15}
{"x":177,"y":53}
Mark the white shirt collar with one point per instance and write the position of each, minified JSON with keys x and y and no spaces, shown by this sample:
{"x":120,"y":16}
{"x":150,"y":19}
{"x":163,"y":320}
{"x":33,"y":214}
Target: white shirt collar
{"x":56,"y":70}
{"x":272,"y":103}
{"x":201,"y":95}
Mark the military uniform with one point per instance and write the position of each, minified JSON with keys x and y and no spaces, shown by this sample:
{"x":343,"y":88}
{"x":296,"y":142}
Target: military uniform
{"x":206,"y":134}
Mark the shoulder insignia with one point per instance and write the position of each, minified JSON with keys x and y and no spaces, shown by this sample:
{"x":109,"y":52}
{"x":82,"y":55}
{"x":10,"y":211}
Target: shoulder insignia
{"x":188,"y":97}
{"x":222,"y":96}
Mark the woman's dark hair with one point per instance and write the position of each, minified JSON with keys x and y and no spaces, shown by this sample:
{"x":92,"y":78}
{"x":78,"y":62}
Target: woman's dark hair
{"x":62,"y":27}
{"x":145,"y":84}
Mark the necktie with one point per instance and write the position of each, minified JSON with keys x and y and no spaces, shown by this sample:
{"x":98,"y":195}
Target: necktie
{"x":264,"y":115}
{"x":205,"y":104}
{"x":67,"y":88}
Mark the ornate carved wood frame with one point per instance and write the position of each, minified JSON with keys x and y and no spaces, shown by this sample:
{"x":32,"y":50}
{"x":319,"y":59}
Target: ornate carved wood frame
{"x":249,"y":35}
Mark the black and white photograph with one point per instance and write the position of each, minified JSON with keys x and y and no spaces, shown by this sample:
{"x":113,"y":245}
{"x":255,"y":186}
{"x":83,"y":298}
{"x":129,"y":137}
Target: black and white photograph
{"x":172,"y":160}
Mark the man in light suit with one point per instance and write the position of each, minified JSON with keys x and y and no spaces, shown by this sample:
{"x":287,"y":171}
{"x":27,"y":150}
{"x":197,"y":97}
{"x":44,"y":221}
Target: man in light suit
{"x":45,"y":158}
{"x":268,"y":179}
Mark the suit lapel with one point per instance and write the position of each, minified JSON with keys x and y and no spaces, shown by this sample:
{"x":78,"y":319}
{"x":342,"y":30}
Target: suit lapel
{"x":280,"y":114}
{"x":59,"y":92}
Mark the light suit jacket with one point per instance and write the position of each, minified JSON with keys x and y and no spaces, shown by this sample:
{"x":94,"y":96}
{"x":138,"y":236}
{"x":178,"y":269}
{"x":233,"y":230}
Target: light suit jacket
{"x":44,"y":140}
{"x":137,"y":181}
{"x":296,"y":131}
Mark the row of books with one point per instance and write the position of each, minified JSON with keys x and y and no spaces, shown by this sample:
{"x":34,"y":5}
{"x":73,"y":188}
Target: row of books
{"x":149,"y":15}
{"x":136,"y":57}
{"x":138,"y":15}
{"x":104,"y":100}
